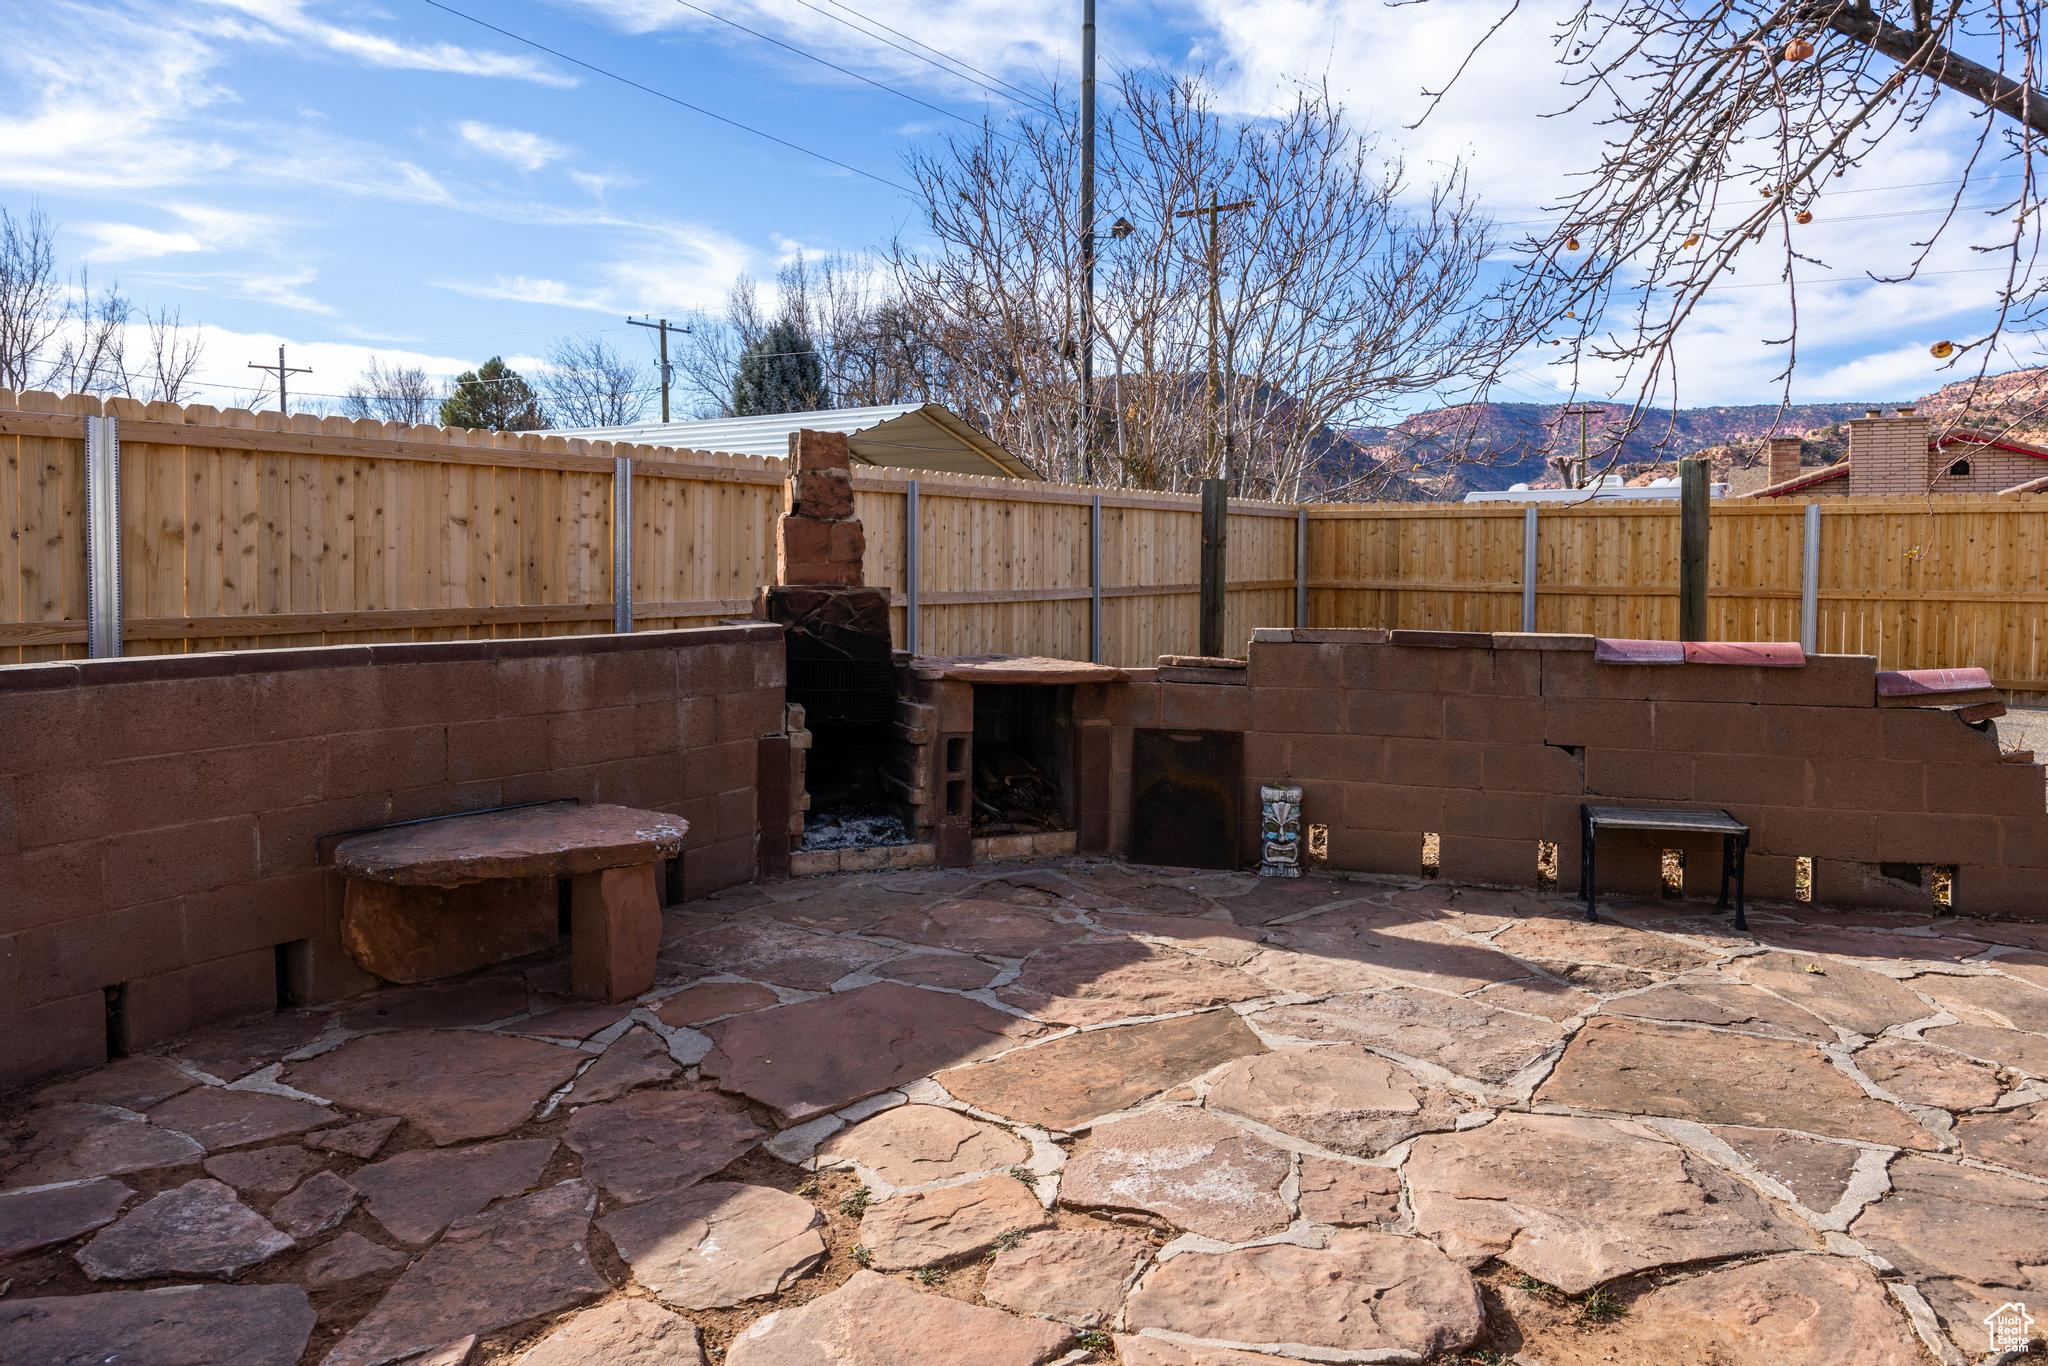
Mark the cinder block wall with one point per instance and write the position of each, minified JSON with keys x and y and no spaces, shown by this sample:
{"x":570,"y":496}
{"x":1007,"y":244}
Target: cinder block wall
{"x":1493,"y":742}
{"x":158,"y":815}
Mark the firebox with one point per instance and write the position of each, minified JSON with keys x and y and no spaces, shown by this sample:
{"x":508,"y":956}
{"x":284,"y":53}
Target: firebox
{"x":1023,"y":759}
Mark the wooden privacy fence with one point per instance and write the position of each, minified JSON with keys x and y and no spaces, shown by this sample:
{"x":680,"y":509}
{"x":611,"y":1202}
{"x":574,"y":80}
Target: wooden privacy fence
{"x":172,"y":529}
{"x":1918,"y":581}
{"x":197,"y":529}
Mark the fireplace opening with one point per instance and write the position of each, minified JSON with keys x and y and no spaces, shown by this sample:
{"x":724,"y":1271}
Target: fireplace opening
{"x":849,"y":808}
{"x":1023,"y":759}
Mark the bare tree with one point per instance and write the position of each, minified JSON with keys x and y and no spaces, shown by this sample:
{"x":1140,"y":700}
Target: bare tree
{"x":588,"y":384}
{"x":1343,"y":289}
{"x":398,"y":394}
{"x":174,"y":352}
{"x":1725,"y":123}
{"x":91,"y":355}
{"x":54,"y":333}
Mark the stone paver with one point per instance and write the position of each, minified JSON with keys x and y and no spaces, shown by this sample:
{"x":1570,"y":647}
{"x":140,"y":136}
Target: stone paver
{"x":417,"y":1194}
{"x":652,"y":1142}
{"x":45,"y":1216}
{"x":876,"y":1320}
{"x":1186,"y":1167}
{"x":1463,"y":1036}
{"x":912,"y":1145}
{"x":1348,"y":1194}
{"x":233,"y":1053}
{"x":1349,"y":949}
{"x":571,"y":1022}
{"x":1272,"y":898}
{"x":2015,"y":1138}
{"x":1072,"y":1275}
{"x":1971,"y":1240}
{"x":2026,"y":1053}
{"x":1841,"y":993}
{"x":321,"y":1202}
{"x":1338,"y":1096}
{"x":1816,"y":1172}
{"x":1104,"y":980}
{"x":1989,"y":999}
{"x":991,"y":927}
{"x":953,"y":971}
{"x":349,"y":1257}
{"x":1221,"y":940}
{"x":1576,"y":1202}
{"x":1782,"y":1311}
{"x":944,"y":1224}
{"x":718,"y":1244}
{"x":472,"y":1001}
{"x":1365,"y":1292}
{"x":1570,"y":939}
{"x":1718,"y":1078}
{"x":1066,"y":1082}
{"x":453,"y":1084}
{"x":364,"y":1139}
{"x":265,"y":1171}
{"x":180,"y":1325}
{"x":197,"y":1229}
{"x":621,"y":1333}
{"x":770,"y":951}
{"x":131,"y":1083}
{"x":636,"y":1058}
{"x":1723,"y":1002}
{"x":1929,"y":1076}
{"x":803,"y":1060}
{"x":524,"y":1258}
{"x":1132,"y":1350}
{"x":217,"y":1119}
{"x":713,"y":1000}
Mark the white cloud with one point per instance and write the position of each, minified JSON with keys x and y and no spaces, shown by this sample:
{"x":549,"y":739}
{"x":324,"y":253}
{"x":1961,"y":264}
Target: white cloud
{"x":527,"y":151}
{"x":674,"y":267}
{"x":289,"y":20}
{"x":205,"y":228}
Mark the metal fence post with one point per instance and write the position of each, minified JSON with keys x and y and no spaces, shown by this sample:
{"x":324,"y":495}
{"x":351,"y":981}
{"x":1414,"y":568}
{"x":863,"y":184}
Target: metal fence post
{"x":103,"y":536}
{"x":1095,"y":579}
{"x":911,"y":567}
{"x":1809,"y":583}
{"x":1215,"y":587}
{"x":1300,"y":567}
{"x":622,"y":543}
{"x":1529,"y":567}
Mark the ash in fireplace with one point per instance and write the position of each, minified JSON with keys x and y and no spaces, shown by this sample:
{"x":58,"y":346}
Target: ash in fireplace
{"x":864,"y":829}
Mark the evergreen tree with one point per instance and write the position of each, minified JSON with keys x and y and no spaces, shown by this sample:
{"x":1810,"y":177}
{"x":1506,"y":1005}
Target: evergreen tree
{"x":779,"y":372}
{"x":495,"y":397}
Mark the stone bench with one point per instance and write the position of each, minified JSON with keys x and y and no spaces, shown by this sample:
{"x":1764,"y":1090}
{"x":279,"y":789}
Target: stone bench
{"x":433,"y":898}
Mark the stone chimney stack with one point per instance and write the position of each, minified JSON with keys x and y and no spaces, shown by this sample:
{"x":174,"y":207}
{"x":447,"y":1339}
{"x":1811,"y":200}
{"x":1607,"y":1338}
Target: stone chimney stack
{"x":1888,"y":454}
{"x":819,"y":541}
{"x":1784,"y":458}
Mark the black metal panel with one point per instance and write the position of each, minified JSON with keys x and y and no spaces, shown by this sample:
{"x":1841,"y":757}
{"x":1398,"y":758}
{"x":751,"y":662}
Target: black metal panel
{"x":843,"y":691}
{"x":1186,"y":786}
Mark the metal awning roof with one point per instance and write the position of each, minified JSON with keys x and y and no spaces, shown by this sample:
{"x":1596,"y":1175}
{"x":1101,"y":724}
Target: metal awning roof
{"x":914,"y":436}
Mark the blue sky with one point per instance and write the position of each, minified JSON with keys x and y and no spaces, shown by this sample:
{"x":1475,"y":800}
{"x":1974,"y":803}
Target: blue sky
{"x":380,"y":177}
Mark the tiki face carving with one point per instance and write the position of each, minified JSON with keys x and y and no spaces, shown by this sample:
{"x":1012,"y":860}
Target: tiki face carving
{"x":1280,"y":832}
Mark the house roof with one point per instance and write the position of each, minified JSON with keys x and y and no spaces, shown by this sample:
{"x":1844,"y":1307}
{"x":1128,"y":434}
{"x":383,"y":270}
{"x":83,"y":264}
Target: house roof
{"x":910,"y":436}
{"x":1799,"y":483}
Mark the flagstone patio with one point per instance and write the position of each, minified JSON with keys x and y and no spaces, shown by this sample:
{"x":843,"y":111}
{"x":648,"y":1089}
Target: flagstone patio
{"x":1077,"y":1110}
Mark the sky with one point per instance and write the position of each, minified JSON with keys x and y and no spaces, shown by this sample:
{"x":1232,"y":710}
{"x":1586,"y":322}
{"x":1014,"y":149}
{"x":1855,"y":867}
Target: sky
{"x":359,"y":178}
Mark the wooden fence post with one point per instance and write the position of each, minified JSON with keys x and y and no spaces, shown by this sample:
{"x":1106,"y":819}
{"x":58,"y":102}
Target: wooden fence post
{"x":1693,"y":506}
{"x":1215,"y":545}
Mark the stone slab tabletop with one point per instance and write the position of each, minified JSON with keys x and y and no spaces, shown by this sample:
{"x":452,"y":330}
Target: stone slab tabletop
{"x":1013,"y":669}
{"x":562,"y":839}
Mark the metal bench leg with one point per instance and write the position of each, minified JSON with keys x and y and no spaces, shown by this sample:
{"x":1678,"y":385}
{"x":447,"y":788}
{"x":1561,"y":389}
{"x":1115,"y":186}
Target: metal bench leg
{"x":1741,"y":874}
{"x":1586,"y":863}
{"x":1727,"y":867}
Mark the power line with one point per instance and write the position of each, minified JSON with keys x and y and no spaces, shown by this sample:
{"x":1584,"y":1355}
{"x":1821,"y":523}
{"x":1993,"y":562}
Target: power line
{"x":1038,"y":103}
{"x":821,"y":61}
{"x":664,"y":95}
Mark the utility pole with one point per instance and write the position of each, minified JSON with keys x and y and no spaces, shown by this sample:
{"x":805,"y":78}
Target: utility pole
{"x":1087,"y":356}
{"x":1215,"y":211}
{"x":662,"y":326}
{"x":281,"y":370}
{"x":1577,"y":477}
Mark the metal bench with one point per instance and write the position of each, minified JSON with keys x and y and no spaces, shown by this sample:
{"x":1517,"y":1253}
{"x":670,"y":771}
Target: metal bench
{"x":1734,"y":842}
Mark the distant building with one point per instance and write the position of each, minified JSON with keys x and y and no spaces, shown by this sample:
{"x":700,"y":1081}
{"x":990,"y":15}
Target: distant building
{"x":1606,"y":489}
{"x":899,"y":436}
{"x":1901,"y":454}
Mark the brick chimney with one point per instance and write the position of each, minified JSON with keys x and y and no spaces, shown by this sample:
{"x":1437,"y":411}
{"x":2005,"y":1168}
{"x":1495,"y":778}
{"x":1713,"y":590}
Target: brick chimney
{"x":1784,"y":458}
{"x":1888,"y":454}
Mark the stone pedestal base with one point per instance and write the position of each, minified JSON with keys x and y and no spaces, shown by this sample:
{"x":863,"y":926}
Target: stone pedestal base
{"x":615,"y":929}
